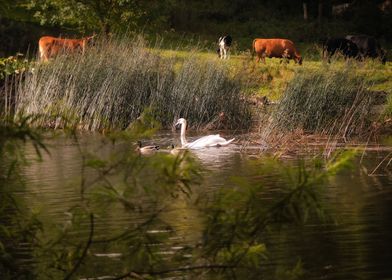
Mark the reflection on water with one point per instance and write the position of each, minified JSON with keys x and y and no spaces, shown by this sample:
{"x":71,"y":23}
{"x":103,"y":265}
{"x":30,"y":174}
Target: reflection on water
{"x":355,"y":246}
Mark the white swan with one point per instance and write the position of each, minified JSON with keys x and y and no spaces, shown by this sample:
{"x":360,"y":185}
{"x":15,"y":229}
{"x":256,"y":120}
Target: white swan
{"x":204,"y":142}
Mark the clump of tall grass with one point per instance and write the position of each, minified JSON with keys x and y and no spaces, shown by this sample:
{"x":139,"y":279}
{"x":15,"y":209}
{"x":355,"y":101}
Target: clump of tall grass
{"x":116,"y":80}
{"x":329,"y":102}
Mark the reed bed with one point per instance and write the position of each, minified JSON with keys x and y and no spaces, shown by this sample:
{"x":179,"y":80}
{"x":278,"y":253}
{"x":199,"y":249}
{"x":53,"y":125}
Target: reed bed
{"x":330,"y":102}
{"x":113,"y":82}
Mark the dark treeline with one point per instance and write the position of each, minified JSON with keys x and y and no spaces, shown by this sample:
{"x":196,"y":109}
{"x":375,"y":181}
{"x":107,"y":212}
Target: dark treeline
{"x":303,"y":21}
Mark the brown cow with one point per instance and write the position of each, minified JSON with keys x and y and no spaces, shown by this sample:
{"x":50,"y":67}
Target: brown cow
{"x":51,"y":46}
{"x":280,"y":48}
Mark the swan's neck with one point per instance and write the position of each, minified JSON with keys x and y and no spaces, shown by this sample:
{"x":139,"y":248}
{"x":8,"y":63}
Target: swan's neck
{"x":183,"y":139}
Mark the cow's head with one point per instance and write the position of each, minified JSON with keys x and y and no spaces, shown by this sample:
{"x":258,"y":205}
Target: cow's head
{"x":383,"y":56}
{"x":90,"y":40}
{"x":299,"y":60}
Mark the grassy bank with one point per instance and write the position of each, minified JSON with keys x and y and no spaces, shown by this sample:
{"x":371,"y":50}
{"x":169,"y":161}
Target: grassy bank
{"x":343,"y":99}
{"x":271,"y":79}
{"x":115,"y":81}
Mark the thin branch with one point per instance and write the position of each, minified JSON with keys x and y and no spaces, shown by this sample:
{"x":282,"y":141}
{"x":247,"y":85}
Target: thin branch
{"x":378,"y":166}
{"x":88,"y":244}
{"x":188,"y":268}
{"x":124,"y":234}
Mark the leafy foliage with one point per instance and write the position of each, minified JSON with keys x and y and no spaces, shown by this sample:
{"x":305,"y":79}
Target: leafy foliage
{"x":12,"y":65}
{"x":109,"y":15}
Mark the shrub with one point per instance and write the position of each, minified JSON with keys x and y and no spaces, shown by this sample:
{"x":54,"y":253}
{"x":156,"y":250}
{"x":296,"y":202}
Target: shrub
{"x":12,"y":65}
{"x":11,"y":68}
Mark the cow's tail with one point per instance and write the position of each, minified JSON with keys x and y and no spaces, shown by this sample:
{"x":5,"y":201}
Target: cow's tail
{"x":41,"y":52}
{"x":253,"y":51}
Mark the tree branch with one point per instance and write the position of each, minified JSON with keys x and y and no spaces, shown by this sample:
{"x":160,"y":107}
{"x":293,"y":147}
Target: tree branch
{"x":187,"y":268}
{"x":89,"y":241}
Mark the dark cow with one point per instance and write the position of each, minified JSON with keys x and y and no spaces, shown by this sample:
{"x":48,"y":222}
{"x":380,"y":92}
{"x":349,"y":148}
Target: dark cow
{"x":279,"y":48}
{"x":347,"y":48}
{"x":368,"y":46}
{"x":224,"y":44}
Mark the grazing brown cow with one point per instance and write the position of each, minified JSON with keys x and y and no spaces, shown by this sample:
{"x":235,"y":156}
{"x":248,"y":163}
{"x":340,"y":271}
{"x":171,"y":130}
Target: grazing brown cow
{"x":280,"y":48}
{"x":51,"y":46}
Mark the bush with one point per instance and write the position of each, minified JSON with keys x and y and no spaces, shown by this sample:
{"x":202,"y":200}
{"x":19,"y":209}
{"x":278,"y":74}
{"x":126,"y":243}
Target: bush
{"x":12,"y":65}
{"x":11,"y":69}
{"x":116,"y":80}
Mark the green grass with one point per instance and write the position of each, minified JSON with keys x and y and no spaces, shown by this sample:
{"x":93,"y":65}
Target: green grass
{"x":271,"y":79}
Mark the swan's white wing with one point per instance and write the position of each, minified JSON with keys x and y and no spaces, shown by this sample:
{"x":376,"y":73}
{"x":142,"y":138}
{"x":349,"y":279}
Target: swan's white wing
{"x":203,"y":141}
{"x":223,"y":143}
{"x":208,"y":141}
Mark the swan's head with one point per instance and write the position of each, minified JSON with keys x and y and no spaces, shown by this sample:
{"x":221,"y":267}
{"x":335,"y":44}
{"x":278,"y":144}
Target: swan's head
{"x":181,"y":121}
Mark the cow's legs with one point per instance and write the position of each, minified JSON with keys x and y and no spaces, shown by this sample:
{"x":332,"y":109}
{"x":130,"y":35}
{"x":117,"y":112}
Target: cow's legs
{"x":225,"y":50}
{"x":263,"y":57}
{"x":45,"y":55}
{"x":42,"y":54}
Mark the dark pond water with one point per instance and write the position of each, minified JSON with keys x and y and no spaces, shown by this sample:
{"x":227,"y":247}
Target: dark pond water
{"x":356,"y":245}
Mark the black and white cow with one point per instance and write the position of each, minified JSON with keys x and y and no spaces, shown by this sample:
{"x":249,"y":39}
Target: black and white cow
{"x":224,"y":44}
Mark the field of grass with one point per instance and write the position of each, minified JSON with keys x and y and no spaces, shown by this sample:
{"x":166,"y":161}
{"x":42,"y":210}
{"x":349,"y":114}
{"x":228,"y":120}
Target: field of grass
{"x":351,"y":86}
{"x":114,"y":82}
{"x":270,"y":79}
{"x":186,"y":71}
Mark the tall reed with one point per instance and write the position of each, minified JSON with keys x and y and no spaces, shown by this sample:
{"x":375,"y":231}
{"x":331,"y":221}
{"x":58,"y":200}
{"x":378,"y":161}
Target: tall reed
{"x":115,"y":80}
{"x":326,"y":101}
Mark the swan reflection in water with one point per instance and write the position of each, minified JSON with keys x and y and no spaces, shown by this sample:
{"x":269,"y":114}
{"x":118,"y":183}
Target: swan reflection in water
{"x":209,"y":157}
